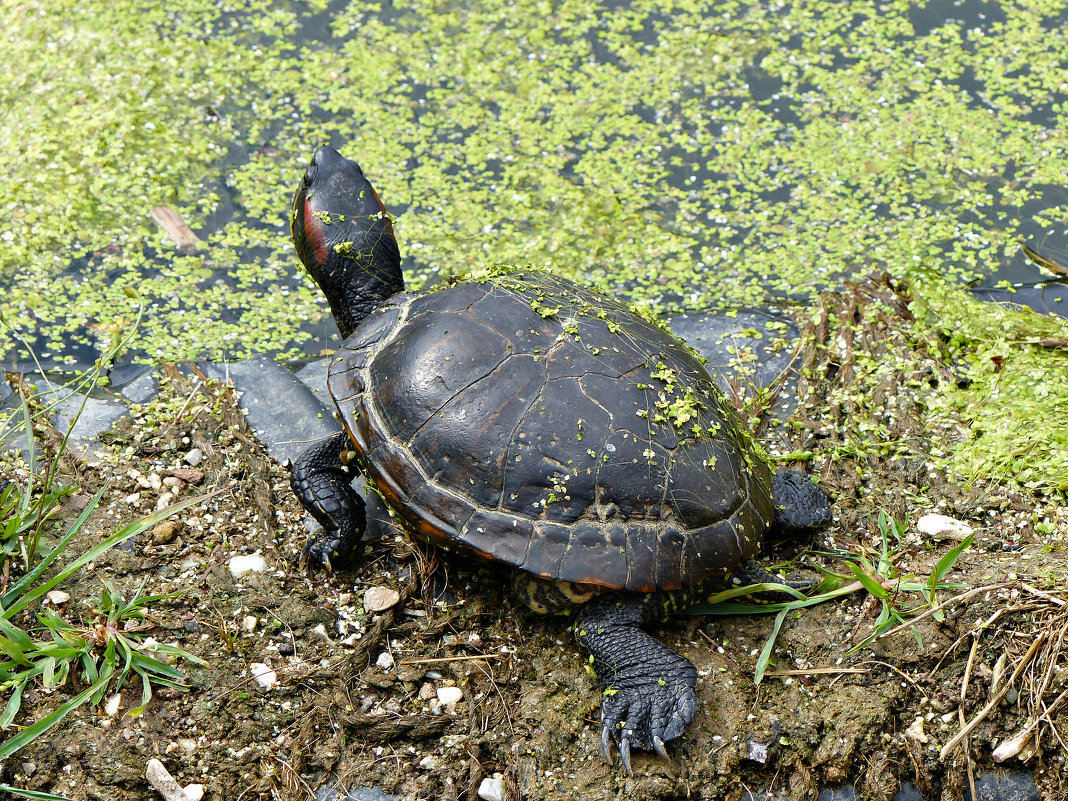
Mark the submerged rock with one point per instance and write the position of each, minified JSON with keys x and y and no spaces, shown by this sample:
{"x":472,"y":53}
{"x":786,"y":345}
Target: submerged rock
{"x":284,"y":414}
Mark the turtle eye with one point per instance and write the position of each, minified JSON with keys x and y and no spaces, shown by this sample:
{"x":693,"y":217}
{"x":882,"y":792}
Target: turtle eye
{"x":309,"y":175}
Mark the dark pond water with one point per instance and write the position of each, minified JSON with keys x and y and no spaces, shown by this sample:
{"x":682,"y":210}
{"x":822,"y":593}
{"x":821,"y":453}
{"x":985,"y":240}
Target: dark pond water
{"x":692,"y":167}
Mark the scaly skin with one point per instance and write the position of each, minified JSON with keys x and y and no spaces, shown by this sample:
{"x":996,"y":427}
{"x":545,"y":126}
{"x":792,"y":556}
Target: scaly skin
{"x":321,"y":482}
{"x":799,"y":504}
{"x":649,"y":690}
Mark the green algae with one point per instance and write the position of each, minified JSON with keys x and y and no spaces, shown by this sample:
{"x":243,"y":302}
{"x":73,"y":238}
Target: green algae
{"x":688,"y":155}
{"x":1014,"y":409}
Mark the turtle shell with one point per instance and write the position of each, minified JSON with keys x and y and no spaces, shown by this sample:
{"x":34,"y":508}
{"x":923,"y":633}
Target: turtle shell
{"x":534,"y":422}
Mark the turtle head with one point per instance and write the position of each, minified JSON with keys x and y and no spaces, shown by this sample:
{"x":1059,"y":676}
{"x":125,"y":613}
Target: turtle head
{"x":344,"y":236}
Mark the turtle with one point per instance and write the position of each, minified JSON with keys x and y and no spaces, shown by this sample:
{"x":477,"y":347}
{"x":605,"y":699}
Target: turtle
{"x":519,"y":417}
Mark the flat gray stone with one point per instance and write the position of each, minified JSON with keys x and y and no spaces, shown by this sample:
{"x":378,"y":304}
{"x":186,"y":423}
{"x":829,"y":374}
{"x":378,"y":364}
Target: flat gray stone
{"x":85,"y":416}
{"x":313,"y":376}
{"x":720,"y":338}
{"x":284,"y":414}
{"x":287,"y":417}
{"x":908,"y":792}
{"x":1005,"y":785}
{"x":335,"y":793}
{"x":839,"y":794}
{"x":141,"y":389}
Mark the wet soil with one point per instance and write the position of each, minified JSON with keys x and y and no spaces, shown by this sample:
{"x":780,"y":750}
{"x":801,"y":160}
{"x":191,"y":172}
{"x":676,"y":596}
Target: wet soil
{"x":357,"y":703}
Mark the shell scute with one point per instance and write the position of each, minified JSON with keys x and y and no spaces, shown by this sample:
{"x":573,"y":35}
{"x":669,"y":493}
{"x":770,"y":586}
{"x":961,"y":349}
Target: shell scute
{"x":466,"y":444}
{"x":510,"y":318}
{"x":436,"y":515}
{"x":537,"y":423}
{"x":416,"y":374}
{"x":549,"y":470}
{"x":484,"y":534}
{"x":548,"y":544}
{"x":591,"y":544}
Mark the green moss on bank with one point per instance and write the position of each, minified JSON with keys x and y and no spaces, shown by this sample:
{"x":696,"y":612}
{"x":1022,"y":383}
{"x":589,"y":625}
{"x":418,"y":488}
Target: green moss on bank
{"x":1013,"y":408}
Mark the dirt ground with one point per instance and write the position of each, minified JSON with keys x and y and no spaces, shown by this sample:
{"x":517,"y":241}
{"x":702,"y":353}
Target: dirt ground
{"x":358,"y":699}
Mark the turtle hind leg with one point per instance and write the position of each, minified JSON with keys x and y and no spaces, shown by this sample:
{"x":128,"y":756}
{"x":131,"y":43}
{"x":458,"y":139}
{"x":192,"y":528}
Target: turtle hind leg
{"x":800,"y":504}
{"x":649,"y":690}
{"x":321,"y":483}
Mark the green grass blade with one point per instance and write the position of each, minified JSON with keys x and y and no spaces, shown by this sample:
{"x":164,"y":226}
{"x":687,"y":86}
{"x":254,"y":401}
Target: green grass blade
{"x":89,"y":667}
{"x":753,"y":589}
{"x":874,"y":586}
{"x":14,"y":703}
{"x":32,"y":732}
{"x":945,"y":564}
{"x":138,"y":603}
{"x":15,"y":653}
{"x":765,"y":652}
{"x":20,"y":638}
{"x":174,"y":650}
{"x":146,"y":695}
{"x":37,"y":794}
{"x":142,"y":662}
{"x":51,"y":620}
{"x":48,"y":671}
{"x":20,"y":586}
{"x":715,"y":606}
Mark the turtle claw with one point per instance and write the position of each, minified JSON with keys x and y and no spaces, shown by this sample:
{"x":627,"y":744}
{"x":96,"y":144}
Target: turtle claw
{"x":624,"y":751}
{"x":606,"y":743}
{"x":645,"y":718}
{"x":317,"y":556}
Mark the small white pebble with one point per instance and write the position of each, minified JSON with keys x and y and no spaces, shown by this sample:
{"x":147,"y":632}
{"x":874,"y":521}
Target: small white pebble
{"x":57,"y":597}
{"x":943,"y":526}
{"x":194,"y":457}
{"x":379,"y":599}
{"x":491,"y":790}
{"x":450,"y":695}
{"x":253,"y":563}
{"x":915,"y":731}
{"x":112,"y":706}
{"x":385,"y":660}
{"x":263,"y":674}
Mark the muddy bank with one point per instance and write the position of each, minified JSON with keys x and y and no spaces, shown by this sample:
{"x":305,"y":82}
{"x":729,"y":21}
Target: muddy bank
{"x":456,"y":682}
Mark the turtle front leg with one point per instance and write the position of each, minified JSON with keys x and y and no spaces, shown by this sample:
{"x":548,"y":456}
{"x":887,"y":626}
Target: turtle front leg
{"x":800,"y":504}
{"x":649,"y":690}
{"x":320,"y":481}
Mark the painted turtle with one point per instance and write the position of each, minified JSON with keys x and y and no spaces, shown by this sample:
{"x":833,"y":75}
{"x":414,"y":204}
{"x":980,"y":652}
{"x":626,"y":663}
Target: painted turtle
{"x":520,"y":417}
